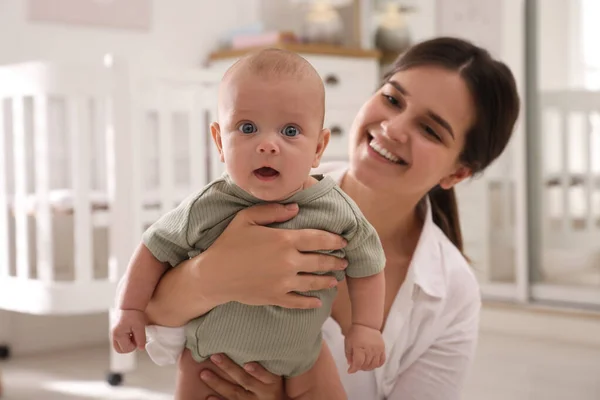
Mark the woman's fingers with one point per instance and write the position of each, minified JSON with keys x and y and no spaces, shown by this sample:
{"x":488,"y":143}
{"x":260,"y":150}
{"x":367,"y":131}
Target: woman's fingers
{"x":307,"y":282}
{"x":250,"y":382}
{"x":315,"y":262}
{"x":265,"y":214}
{"x":258,"y":372}
{"x":227,"y":390}
{"x":269,"y":263}
{"x":235,"y":372}
{"x":294,"y":300}
{"x":313,"y":239}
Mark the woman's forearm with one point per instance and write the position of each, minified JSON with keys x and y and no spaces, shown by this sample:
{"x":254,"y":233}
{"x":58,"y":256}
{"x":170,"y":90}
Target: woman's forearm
{"x":173,"y":290}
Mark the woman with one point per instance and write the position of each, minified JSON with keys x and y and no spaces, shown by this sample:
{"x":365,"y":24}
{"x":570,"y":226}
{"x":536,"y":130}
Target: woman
{"x":445,"y":112}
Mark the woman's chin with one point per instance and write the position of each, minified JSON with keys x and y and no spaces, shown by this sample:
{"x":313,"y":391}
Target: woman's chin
{"x":368,"y":175}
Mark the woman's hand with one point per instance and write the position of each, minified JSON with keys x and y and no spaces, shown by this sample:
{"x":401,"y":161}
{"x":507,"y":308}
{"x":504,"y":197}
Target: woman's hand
{"x":251,"y":264}
{"x":252,"y":382}
{"x":259,"y":265}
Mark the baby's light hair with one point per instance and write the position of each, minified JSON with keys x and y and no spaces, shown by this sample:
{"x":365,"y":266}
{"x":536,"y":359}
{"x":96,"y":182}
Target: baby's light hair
{"x":273,"y":63}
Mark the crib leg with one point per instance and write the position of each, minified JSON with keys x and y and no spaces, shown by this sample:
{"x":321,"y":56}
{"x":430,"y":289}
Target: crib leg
{"x":5,"y":335}
{"x":4,"y":352}
{"x":114,"y":379}
{"x":119,"y":363}
{"x":4,"y":355}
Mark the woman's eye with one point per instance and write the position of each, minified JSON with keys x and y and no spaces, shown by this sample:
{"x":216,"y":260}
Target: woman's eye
{"x":247,"y":127}
{"x":431,"y":132}
{"x":290,"y":131}
{"x":391,"y":100}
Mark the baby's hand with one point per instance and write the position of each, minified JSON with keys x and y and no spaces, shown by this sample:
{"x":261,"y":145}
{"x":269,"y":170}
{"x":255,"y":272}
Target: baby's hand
{"x":130,"y":331}
{"x":365,"y":349}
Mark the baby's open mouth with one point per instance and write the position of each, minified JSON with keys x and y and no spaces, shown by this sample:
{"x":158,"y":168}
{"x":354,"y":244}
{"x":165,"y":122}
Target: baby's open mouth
{"x":266,"y":173}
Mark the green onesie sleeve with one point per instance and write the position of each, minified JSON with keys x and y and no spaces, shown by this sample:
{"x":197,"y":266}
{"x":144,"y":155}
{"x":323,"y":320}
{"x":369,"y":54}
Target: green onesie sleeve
{"x":167,"y":238}
{"x":364,"y":251}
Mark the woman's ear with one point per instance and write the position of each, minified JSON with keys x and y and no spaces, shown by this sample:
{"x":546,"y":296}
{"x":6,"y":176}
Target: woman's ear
{"x":215,"y":132}
{"x":456,"y":177}
{"x":324,"y":137}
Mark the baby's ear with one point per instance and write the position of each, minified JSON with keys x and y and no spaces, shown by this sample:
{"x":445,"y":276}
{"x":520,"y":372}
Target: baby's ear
{"x":215,"y":132}
{"x":324,"y":137}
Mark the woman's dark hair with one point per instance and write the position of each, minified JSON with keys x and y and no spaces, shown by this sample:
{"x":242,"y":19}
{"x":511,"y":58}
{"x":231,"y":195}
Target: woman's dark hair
{"x":496,"y":100}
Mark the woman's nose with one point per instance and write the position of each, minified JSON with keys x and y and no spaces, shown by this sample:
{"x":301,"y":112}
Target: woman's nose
{"x":396,"y":129}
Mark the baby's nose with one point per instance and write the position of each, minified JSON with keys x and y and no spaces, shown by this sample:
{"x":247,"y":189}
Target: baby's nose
{"x":268,"y":147}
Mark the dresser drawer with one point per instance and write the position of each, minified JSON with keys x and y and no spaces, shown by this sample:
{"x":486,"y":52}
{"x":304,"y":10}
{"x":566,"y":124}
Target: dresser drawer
{"x":347,"y":80}
{"x":339,"y":121}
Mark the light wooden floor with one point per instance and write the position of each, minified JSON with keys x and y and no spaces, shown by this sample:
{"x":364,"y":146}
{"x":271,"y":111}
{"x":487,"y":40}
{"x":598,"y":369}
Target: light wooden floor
{"x":506,"y":367}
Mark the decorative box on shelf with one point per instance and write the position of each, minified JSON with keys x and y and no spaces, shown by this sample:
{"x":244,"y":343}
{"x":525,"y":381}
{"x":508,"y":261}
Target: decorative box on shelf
{"x":350,"y":76}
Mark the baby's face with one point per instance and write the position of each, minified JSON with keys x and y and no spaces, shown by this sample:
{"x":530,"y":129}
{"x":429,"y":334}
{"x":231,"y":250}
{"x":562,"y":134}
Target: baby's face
{"x":270,"y":134}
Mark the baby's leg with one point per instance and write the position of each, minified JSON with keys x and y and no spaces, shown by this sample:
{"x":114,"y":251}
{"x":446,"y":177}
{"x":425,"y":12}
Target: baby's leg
{"x":321,"y":382}
{"x":189,"y":385}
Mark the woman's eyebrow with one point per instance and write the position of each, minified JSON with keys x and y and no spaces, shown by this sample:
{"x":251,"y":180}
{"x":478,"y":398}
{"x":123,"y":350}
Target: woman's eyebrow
{"x":398,"y":87}
{"x":436,"y":117}
{"x":441,"y":121}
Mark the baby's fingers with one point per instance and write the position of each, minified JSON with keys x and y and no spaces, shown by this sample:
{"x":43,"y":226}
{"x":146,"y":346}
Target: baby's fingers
{"x":139,"y":337}
{"x":358,"y":360}
{"x":380,"y":359}
{"x":348,"y":351}
{"x":123,"y":344}
{"x":369,"y":363}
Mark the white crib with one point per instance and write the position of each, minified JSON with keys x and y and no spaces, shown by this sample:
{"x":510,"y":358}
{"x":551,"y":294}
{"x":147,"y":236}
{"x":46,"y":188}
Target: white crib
{"x":90,"y":155}
{"x":570,"y":126}
{"x":569,"y":156}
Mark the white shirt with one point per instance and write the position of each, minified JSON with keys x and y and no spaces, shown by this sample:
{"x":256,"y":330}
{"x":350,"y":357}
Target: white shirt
{"x":430,"y":333}
{"x":431,"y":330}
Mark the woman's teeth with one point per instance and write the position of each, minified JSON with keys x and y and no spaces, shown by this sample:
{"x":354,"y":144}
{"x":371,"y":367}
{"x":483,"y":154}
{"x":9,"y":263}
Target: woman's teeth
{"x":383,"y":152}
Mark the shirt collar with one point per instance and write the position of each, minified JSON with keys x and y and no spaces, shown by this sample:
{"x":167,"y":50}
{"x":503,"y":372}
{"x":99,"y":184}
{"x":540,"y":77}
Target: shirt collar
{"x":426,"y":268}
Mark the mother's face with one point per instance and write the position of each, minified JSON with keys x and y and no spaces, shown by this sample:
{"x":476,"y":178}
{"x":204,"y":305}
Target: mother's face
{"x":407,"y":138}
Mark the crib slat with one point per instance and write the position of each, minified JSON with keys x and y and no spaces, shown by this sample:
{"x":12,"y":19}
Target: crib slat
{"x":79,"y":128}
{"x":4,"y":241}
{"x":138,"y":157}
{"x":20,"y":206}
{"x":120,"y":174}
{"x":99,"y":118}
{"x":165,"y":158}
{"x":589,"y":176}
{"x":197,"y":145}
{"x":507,"y":207}
{"x":42,"y":189}
{"x":565,"y":176}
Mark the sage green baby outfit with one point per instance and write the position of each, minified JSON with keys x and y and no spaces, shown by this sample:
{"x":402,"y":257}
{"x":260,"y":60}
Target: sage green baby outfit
{"x":286,"y":342}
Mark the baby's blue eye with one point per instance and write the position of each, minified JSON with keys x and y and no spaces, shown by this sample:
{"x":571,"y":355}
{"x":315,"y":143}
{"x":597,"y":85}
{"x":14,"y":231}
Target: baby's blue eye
{"x":247,"y":127}
{"x":290,"y":131}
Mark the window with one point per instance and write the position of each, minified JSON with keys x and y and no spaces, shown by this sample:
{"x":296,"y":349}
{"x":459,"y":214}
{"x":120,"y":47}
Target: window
{"x":590,"y":33}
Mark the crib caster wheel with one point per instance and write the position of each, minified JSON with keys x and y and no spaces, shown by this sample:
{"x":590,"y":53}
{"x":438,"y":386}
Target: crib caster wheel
{"x":114,"y":379}
{"x":4,"y":352}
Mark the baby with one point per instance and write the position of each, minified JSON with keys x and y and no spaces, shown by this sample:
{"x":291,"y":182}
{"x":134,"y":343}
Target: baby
{"x":269,"y":135}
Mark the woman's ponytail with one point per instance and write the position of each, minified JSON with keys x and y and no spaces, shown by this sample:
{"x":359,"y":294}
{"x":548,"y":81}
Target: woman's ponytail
{"x":444,"y":209}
